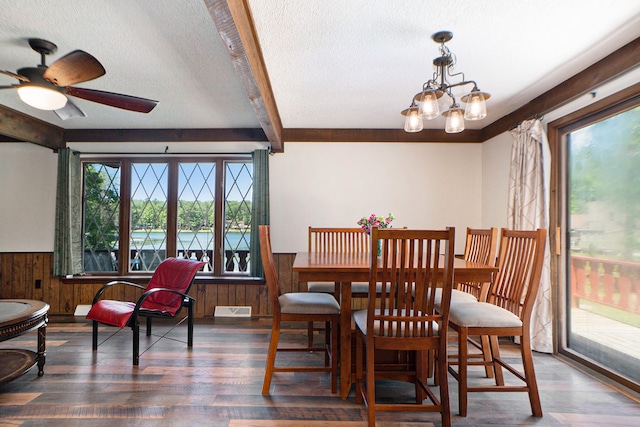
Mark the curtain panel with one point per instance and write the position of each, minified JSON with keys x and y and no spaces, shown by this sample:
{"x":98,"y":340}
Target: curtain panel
{"x":67,"y":251}
{"x":528,"y":211}
{"x":259,"y":208}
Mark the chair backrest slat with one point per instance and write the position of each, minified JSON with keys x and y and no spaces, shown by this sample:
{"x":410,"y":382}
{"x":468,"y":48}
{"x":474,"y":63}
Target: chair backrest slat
{"x":338,"y":240}
{"x":520,"y":261}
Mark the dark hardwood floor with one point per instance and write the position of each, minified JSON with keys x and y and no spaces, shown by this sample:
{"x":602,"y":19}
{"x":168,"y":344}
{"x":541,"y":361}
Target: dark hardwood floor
{"x":218,"y":383}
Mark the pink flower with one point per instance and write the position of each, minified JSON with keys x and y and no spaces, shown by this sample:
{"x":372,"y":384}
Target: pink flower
{"x":374,"y":221}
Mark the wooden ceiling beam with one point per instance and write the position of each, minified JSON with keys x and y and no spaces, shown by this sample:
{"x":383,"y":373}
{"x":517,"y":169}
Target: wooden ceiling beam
{"x":22,"y":127}
{"x":235,"y":25}
{"x":164,"y":135}
{"x":619,"y":62}
{"x":379,"y":135}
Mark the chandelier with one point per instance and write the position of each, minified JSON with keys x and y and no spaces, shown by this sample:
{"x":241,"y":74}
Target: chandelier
{"x":425,"y":105}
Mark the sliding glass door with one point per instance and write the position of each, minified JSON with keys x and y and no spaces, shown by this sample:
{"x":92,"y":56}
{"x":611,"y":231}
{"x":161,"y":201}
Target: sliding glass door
{"x":601,"y":217}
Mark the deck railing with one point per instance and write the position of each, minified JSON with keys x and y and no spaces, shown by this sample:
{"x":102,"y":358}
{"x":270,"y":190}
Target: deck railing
{"x":103,"y":260}
{"x":612,"y":283}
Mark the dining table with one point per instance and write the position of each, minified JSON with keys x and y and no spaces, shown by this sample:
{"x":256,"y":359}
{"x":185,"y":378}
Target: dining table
{"x":346,"y":268}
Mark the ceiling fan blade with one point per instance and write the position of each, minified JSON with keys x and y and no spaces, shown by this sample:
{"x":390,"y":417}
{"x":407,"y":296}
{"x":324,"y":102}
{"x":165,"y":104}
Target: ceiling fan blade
{"x":126,"y":102}
{"x":14,"y":75}
{"x":75,"y":67}
{"x":69,"y":111}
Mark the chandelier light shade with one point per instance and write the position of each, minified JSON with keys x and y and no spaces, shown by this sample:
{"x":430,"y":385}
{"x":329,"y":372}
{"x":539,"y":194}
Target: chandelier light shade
{"x":412,"y":121}
{"x":455,"y":119}
{"x":476,"y":106}
{"x":427,"y":101}
{"x":41,"y":98}
{"x":428,"y":104}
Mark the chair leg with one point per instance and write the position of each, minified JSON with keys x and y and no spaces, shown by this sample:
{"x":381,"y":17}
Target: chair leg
{"x":190,"y":318}
{"x":486,"y":351}
{"x":359,"y":364}
{"x":432,"y":368}
{"x":310,"y":334}
{"x":148,"y":326}
{"x":94,"y":336}
{"x":495,"y":353}
{"x":530,"y":376}
{"x":462,"y":371}
{"x":371,"y":386}
{"x":421,"y":374}
{"x":136,"y":341}
{"x":335,"y":334}
{"x":442,"y":372}
{"x":271,"y":357}
{"x":328,"y":335}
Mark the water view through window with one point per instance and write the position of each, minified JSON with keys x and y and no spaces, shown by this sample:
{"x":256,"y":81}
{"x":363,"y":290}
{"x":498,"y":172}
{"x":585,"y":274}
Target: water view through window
{"x":176,"y":209}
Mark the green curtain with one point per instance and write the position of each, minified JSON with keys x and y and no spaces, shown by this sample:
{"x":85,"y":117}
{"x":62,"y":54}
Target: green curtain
{"x":67,"y":251}
{"x":259,"y":208}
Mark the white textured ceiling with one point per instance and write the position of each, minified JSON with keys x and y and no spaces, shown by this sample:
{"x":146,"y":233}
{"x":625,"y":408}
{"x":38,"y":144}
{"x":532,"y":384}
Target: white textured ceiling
{"x":358,"y":63}
{"x":166,"y":50}
{"x":331,"y":63}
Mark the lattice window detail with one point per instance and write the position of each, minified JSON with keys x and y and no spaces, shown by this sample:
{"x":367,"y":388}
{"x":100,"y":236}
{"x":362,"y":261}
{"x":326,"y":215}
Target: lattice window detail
{"x":101,"y":200}
{"x":148,"y":215}
{"x":237,"y":207}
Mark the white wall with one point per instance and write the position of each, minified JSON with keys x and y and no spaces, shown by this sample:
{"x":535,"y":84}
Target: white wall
{"x":320,"y":184}
{"x":335,"y":184}
{"x":496,"y":159}
{"x":28,"y":194}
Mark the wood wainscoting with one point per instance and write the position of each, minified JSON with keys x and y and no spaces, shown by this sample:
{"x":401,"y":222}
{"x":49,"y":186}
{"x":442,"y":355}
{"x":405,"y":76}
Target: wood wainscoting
{"x":27,"y":275}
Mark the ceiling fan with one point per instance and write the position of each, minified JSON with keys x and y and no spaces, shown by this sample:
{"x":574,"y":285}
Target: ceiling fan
{"x":45,"y":87}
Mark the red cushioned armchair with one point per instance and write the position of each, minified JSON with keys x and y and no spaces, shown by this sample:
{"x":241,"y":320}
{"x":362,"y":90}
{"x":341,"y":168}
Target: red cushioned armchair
{"x":164,"y":297}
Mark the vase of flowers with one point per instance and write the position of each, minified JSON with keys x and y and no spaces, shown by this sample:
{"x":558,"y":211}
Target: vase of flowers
{"x":372,"y":221}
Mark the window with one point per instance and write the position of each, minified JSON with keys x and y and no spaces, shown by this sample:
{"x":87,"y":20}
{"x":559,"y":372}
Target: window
{"x":599,"y":175}
{"x":137,"y":212}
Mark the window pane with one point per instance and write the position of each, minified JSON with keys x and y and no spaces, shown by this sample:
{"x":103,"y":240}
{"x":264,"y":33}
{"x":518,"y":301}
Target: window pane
{"x":237,"y":214}
{"x":603,"y":219}
{"x":148,"y":215}
{"x":196,"y":212}
{"x":101,"y":195}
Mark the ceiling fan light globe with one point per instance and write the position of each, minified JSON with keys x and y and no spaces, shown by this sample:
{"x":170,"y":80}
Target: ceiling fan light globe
{"x":42,"y":98}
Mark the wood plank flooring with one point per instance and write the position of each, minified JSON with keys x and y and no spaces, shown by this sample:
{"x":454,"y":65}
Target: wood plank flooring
{"x":218,"y":383}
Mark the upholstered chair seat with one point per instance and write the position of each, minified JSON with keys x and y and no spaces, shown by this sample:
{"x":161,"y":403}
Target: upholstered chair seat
{"x":305,"y":303}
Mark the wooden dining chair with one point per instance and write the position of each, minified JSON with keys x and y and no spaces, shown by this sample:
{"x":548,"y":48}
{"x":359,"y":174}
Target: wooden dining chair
{"x":336,"y":240}
{"x":402,"y":318}
{"x":163,"y":297}
{"x":507,"y":312}
{"x":480,"y":247}
{"x":298,"y":307}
